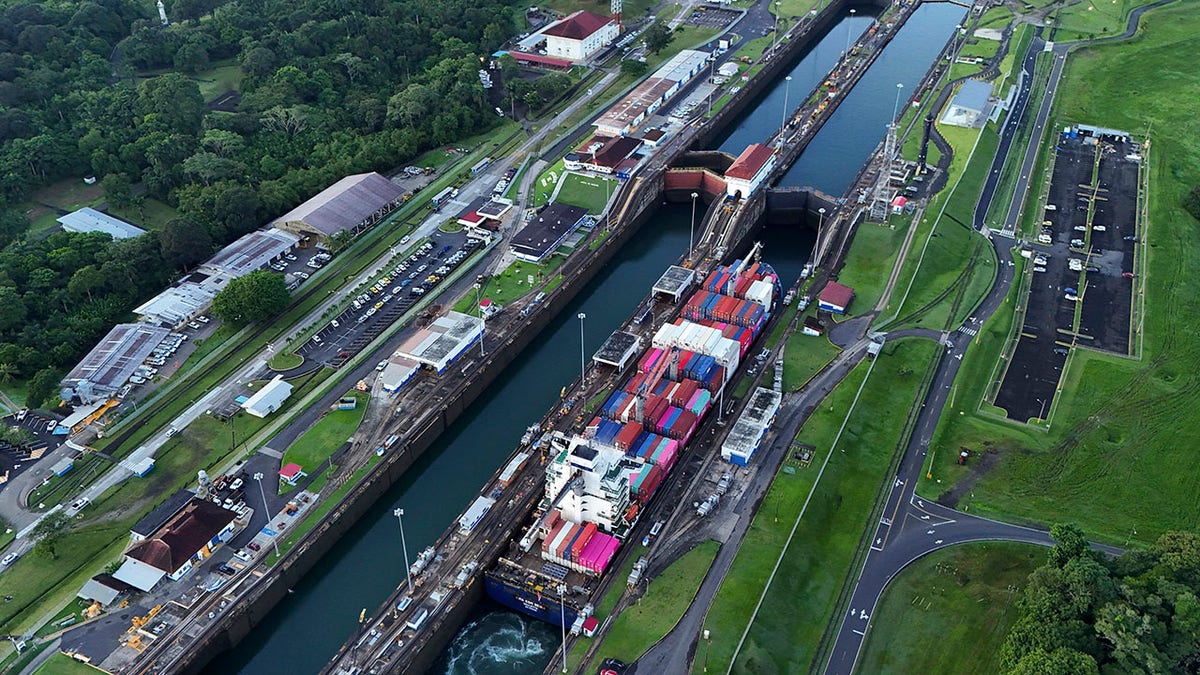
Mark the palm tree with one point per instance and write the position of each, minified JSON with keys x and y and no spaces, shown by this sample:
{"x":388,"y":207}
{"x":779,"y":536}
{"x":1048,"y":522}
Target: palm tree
{"x":7,"y":371}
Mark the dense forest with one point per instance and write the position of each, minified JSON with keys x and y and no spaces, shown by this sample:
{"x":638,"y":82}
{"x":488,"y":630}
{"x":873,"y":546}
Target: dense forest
{"x":1085,"y":613}
{"x":101,"y":88}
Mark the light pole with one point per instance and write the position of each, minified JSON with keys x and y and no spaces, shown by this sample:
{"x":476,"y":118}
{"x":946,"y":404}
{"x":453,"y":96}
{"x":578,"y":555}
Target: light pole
{"x":692,"y":231}
{"x":582,"y":360}
{"x":896,"y":105}
{"x":787,"y":89}
{"x":399,"y":513}
{"x":263,"y":493}
{"x":775,"y":42}
{"x":846,"y":52}
{"x":1042,"y":411}
{"x":820,"y":226}
{"x":707,"y":646}
{"x":562,"y":614}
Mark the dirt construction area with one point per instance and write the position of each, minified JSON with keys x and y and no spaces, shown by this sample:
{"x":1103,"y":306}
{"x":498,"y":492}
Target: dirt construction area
{"x":1083,"y":267}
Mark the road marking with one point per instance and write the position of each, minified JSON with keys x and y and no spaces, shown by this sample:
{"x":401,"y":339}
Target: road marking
{"x":859,"y":632}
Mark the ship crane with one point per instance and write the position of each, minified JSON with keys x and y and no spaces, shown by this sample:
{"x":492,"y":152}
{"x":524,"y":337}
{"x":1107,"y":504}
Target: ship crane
{"x":734,"y":273}
{"x":670,"y":359}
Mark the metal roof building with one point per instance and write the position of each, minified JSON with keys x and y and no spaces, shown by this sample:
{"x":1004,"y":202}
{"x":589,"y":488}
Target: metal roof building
{"x":546,"y":231}
{"x":189,"y":536}
{"x":268,"y":399}
{"x":88,"y":219}
{"x":751,"y":426}
{"x":252,"y":252}
{"x":111,"y":362}
{"x":675,"y":282}
{"x":618,"y":349}
{"x":970,"y":105}
{"x":443,"y":341}
{"x":353,"y":203}
{"x":179,"y":303}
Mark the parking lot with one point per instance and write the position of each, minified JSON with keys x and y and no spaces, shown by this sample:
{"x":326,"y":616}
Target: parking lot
{"x":15,"y":459}
{"x":378,"y":306}
{"x":711,"y":17}
{"x":1081,"y":292}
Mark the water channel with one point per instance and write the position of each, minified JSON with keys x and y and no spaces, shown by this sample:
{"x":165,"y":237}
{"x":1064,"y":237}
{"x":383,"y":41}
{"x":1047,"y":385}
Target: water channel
{"x":308,"y":627}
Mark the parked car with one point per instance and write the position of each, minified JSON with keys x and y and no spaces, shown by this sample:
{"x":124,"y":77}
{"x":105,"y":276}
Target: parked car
{"x":226,"y":570}
{"x":193,"y":325}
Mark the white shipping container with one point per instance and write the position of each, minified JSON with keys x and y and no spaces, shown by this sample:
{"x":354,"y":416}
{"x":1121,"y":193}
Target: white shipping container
{"x":666,"y":336}
{"x":761,"y":292}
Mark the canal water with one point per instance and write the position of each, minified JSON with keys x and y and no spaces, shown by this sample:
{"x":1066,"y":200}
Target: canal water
{"x":307,"y":628}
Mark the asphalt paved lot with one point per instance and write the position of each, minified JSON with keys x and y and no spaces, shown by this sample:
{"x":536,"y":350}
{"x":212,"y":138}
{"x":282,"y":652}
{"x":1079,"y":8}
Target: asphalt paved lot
{"x":1049,"y":330}
{"x":357,"y":325}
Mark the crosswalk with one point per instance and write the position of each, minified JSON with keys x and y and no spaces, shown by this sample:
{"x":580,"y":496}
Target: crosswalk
{"x":966,"y":330}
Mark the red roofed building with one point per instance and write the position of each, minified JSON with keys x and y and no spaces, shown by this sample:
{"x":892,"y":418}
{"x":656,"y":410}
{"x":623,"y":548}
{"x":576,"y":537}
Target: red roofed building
{"x":292,"y":472}
{"x":835,"y":297}
{"x":580,"y":35}
{"x":172,"y":551}
{"x":749,"y":171}
{"x":539,"y":61}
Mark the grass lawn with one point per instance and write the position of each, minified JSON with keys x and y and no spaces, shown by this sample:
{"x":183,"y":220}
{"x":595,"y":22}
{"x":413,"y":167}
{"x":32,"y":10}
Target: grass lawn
{"x":870,"y":260}
{"x":327,"y":435}
{"x":543,"y":186}
{"x":512,"y":283}
{"x":953,"y":264}
{"x":654,"y":615}
{"x":61,"y":664}
{"x":225,"y":76}
{"x":589,"y":192}
{"x":949,"y":612}
{"x":1114,"y":437}
{"x":794,"y":8}
{"x":804,"y":593}
{"x":285,"y":361}
{"x":1093,"y":18}
{"x":151,"y":214}
{"x":69,"y":194}
{"x":804,"y":357}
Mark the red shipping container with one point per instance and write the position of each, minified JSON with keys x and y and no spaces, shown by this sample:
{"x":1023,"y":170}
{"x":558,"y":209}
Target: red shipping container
{"x":628,"y":435}
{"x":553,"y":519}
{"x":634,"y":382}
{"x":743,"y":285}
{"x":686,"y":423}
{"x":582,"y":540}
{"x":553,"y":533}
{"x":561,"y":550}
{"x":650,"y":484}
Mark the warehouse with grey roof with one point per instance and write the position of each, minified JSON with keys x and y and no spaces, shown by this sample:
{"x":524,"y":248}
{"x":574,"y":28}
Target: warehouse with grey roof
{"x":352,"y":204}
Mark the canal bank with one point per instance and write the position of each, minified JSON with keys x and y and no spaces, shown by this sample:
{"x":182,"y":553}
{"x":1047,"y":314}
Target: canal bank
{"x":332,"y":611}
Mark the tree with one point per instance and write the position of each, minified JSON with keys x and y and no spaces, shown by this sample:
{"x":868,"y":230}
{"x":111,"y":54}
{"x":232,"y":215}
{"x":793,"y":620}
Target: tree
{"x":42,"y":386}
{"x":340,"y":241}
{"x":634,"y":67}
{"x":1069,"y":544}
{"x":1061,"y":661}
{"x":118,"y":189}
{"x":657,"y":37}
{"x":191,"y":58}
{"x":12,"y":309}
{"x":184,"y":242}
{"x":49,"y":532}
{"x":1191,"y":202}
{"x":7,"y":372}
{"x":254,"y":297}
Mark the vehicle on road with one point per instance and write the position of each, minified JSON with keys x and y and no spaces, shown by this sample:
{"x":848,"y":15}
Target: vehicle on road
{"x":10,"y":559}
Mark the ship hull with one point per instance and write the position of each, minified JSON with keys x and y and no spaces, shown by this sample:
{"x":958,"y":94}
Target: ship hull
{"x":539,"y":606}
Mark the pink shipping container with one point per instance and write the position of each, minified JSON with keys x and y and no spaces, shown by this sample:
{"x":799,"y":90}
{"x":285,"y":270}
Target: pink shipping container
{"x":599,"y":552}
{"x":648,"y":360}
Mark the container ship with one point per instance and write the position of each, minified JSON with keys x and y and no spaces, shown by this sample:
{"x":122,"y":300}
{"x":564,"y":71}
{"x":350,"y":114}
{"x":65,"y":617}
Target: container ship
{"x":599,"y":479}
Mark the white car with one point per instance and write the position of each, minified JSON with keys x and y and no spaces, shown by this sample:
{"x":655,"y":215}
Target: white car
{"x":381,"y":365}
{"x":10,"y":559}
{"x":80,"y":503}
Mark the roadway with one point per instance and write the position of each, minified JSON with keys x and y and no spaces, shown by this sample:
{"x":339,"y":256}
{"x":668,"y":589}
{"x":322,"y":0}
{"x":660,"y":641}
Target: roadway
{"x":911,"y":526}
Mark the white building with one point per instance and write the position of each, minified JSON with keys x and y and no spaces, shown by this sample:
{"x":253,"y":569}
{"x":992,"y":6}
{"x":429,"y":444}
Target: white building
{"x":443,"y":341}
{"x":268,"y":399}
{"x":88,"y":219}
{"x":580,"y":35}
{"x":749,"y":171}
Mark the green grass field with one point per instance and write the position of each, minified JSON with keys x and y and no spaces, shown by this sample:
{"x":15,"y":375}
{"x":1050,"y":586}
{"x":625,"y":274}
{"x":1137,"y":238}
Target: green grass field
{"x":652,"y":616}
{"x":953,"y":264}
{"x":587,"y":192}
{"x":870,"y":260}
{"x":61,"y":664}
{"x":949,"y":612}
{"x":804,"y":357}
{"x":1114,"y":437}
{"x":1092,"y":18}
{"x":803,"y":596}
{"x":327,"y":435}
{"x":224,"y":77}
